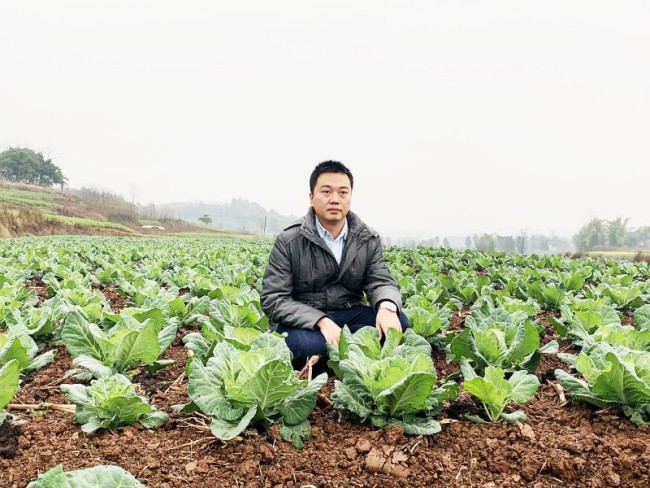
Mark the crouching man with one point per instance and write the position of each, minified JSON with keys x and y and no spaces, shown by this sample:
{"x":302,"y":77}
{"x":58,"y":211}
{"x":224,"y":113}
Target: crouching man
{"x":321,"y":266}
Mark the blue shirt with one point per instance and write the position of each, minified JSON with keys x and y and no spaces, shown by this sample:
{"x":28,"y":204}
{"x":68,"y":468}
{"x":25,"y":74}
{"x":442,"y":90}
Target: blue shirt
{"x":335,"y":245}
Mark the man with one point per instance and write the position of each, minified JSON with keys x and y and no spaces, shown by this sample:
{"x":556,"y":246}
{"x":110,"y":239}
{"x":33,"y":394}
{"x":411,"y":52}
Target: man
{"x":320,"y":267}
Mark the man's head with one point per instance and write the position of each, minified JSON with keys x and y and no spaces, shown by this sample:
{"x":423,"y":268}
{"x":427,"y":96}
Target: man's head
{"x":329,"y":167}
{"x":330,"y":192}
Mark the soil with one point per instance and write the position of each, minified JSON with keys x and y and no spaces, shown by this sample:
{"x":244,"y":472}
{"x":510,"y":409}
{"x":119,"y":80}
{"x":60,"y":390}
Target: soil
{"x":38,"y":287}
{"x":116,"y":300}
{"x":9,"y":434}
{"x":457,"y":320}
{"x":562,"y":444}
{"x":627,"y":319}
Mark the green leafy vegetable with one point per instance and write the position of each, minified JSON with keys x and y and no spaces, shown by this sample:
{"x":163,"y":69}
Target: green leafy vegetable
{"x":494,"y":337}
{"x":18,"y":344}
{"x":126,"y":345}
{"x":9,"y":380}
{"x":615,"y":375}
{"x":257,"y":384}
{"x":388,"y":385}
{"x":111,"y":402}
{"x":97,"y":477}
{"x":495,"y":392}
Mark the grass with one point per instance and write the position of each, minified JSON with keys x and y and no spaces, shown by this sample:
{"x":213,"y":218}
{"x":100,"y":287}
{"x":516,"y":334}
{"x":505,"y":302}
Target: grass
{"x":204,"y":229}
{"x":628,"y":255}
{"x":31,"y":199}
{"x":25,"y":208}
{"x":614,"y":254}
{"x":226,"y":233}
{"x":51,"y":204}
{"x":88,"y":223}
{"x":43,"y":195}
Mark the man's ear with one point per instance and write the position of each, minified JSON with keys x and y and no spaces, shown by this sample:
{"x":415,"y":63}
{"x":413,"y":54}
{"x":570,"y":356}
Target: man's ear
{"x":311,"y":197}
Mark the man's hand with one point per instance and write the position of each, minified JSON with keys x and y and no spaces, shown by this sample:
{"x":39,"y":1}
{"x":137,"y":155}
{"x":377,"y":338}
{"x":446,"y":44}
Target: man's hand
{"x":387,"y":320}
{"x":330,"y":330}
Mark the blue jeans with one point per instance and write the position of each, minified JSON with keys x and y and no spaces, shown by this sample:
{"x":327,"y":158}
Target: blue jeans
{"x":305,"y":343}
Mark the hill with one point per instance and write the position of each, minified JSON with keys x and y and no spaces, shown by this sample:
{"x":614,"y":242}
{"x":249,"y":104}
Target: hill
{"x":238,"y":214}
{"x":34,"y":210}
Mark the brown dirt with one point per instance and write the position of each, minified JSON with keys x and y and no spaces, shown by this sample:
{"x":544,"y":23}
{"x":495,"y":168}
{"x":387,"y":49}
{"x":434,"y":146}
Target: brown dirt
{"x":43,"y":385}
{"x":9,"y":434}
{"x":443,"y":368}
{"x":549,"y":333}
{"x":628,"y":320}
{"x":561,"y":445}
{"x":116,"y":300}
{"x":465,"y":404}
{"x":38,"y":287}
{"x":457,"y":321}
{"x":550,"y":362}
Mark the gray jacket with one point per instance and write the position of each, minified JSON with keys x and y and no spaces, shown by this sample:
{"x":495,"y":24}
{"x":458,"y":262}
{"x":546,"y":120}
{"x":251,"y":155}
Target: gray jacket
{"x":303,"y":279}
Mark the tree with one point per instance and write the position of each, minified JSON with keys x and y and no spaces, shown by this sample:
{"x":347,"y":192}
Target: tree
{"x":543,"y":243}
{"x":485,"y":243}
{"x":206,"y":219}
{"x":23,"y":165}
{"x":445,"y":242}
{"x":591,"y":236}
{"x":639,"y":237}
{"x":610,"y":234}
{"x":506,"y":244}
{"x":468,"y":242}
{"x":522,"y":241}
{"x":616,"y":231}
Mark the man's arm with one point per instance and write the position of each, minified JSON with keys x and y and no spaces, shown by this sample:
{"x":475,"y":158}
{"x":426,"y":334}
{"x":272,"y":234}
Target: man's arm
{"x":380,"y":285}
{"x":277,"y":287}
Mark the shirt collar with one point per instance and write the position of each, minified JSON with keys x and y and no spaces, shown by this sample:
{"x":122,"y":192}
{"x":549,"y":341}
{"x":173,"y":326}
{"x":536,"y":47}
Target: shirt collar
{"x":324,"y":232}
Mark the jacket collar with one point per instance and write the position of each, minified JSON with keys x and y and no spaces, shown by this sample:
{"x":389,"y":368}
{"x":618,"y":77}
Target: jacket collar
{"x":323,"y":232}
{"x":355,"y":224}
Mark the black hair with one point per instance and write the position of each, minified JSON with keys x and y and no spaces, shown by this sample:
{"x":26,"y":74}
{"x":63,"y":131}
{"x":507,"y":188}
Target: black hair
{"x":329,"y":167}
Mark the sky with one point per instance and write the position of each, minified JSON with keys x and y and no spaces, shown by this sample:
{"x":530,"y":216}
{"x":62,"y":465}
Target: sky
{"x":454,"y":117}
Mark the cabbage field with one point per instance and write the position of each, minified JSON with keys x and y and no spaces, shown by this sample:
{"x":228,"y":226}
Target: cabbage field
{"x":147,"y":362}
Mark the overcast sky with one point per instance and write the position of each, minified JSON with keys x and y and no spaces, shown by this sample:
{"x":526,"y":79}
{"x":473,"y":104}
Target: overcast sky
{"x":455,"y":117}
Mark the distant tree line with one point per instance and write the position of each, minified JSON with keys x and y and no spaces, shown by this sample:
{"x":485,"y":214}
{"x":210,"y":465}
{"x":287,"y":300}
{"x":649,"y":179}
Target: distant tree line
{"x":600,"y":234}
{"x":115,"y":208}
{"x":22,"y":165}
{"x":238,"y":214}
{"x":524,"y":244}
{"x":110,"y":205}
{"x":596,"y":235}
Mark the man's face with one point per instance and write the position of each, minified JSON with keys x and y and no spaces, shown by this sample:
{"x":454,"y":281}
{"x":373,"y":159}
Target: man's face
{"x":331,"y":197}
